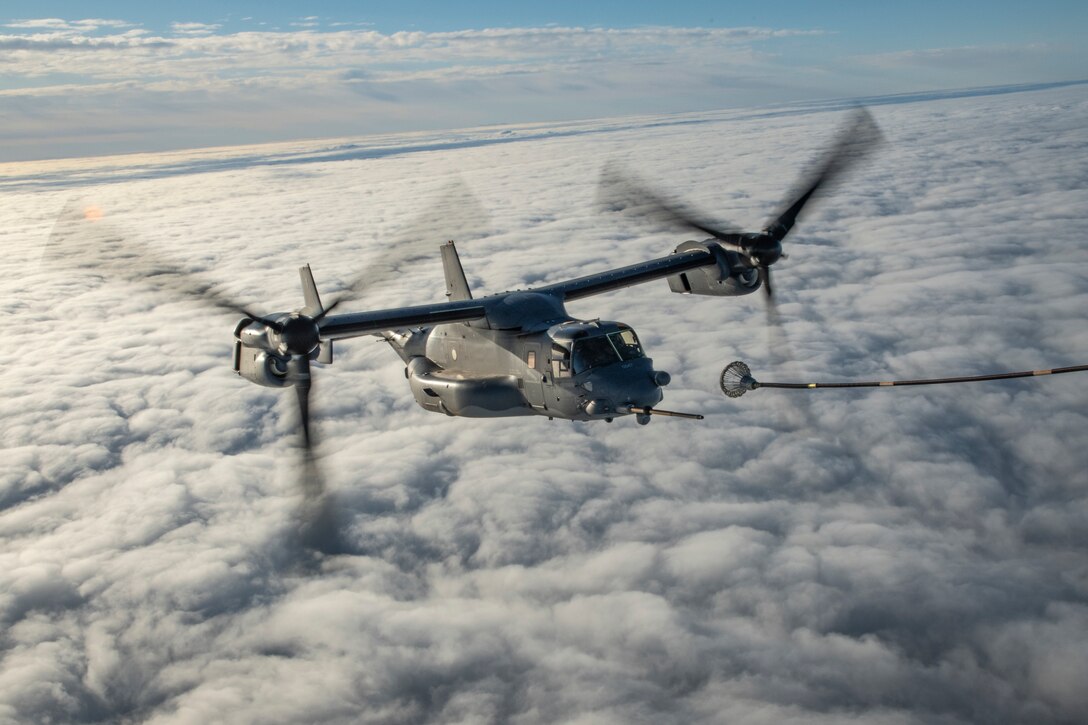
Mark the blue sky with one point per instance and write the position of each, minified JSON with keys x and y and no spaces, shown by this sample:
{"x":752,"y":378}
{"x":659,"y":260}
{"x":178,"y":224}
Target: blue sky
{"x":128,"y":76}
{"x":863,"y":25}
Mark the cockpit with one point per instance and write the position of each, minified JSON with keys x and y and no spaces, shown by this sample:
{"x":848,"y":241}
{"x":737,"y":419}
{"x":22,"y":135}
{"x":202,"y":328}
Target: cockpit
{"x":592,"y":345}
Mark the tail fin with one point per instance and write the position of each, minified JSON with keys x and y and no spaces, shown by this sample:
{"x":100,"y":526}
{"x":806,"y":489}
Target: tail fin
{"x":456,"y":284}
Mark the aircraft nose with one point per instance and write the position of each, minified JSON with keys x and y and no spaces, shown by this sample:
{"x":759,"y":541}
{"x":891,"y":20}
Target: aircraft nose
{"x":612,"y":391}
{"x":646,"y":396}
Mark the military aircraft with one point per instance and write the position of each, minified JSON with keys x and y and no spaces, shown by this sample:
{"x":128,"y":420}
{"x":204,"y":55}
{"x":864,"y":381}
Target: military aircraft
{"x":516,"y":353}
{"x":521,"y":353}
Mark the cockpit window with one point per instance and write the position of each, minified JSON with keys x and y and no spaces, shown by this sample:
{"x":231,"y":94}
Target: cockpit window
{"x":626,"y":344}
{"x":592,"y":352}
{"x":560,"y":361}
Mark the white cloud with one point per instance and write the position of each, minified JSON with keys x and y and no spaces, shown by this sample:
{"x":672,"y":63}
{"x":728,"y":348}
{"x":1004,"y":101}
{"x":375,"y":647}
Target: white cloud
{"x":335,"y":76}
{"x":85,"y":25}
{"x":37,"y":23}
{"x":903,"y":555}
{"x":310,"y":82}
{"x":281,"y":52}
{"x":968,"y":65}
{"x":194,"y":28}
{"x":966,"y":55}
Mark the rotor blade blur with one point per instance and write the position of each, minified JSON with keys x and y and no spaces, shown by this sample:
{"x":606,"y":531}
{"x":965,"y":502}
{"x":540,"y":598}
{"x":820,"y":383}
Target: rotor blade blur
{"x":456,"y":214}
{"x":83,"y":239}
{"x":765,"y":276}
{"x":778,"y":343}
{"x":621,"y":191}
{"x":855,"y":140}
{"x":298,"y":371}
{"x":318,"y":530}
{"x":800,"y":415}
{"x":319,"y":525}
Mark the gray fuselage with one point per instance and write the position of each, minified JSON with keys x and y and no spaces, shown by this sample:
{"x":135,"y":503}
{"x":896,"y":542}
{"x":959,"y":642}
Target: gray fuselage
{"x":557,"y":366}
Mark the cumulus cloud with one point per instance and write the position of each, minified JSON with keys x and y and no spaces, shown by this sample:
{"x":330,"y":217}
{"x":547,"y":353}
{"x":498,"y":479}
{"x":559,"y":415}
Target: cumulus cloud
{"x":895,"y":556}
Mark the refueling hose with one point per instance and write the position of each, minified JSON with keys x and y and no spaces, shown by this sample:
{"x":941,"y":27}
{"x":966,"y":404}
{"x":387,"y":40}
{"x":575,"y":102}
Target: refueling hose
{"x":737,"y":379}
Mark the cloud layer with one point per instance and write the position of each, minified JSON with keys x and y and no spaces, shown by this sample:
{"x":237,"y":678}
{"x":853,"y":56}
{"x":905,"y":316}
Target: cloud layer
{"x":134,"y":90}
{"x":894,"y":556}
{"x":99,"y":86}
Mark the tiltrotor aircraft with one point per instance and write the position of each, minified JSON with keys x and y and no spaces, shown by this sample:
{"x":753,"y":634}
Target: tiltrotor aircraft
{"x":521,"y":353}
{"x":515,"y":353}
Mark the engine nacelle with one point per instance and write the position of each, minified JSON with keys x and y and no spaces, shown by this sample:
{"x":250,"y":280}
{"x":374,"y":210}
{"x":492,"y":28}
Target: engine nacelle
{"x":252,"y":358}
{"x":728,"y":276}
{"x":260,"y":366}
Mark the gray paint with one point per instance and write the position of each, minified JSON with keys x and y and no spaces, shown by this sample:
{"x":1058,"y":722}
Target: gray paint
{"x":456,"y":284}
{"x":471,"y":357}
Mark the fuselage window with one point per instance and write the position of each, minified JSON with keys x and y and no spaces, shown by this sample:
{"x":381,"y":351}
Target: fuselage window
{"x":530,"y":358}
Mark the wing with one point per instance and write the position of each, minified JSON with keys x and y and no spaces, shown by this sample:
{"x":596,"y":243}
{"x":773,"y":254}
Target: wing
{"x":595,"y":284}
{"x":365,"y":323}
{"x":355,"y":324}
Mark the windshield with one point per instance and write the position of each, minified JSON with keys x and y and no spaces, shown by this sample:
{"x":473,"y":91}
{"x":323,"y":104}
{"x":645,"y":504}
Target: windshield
{"x":593,"y":352}
{"x":626,"y":344}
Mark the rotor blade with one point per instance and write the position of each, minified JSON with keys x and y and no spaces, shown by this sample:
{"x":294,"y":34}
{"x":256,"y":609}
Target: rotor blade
{"x":799,"y":416}
{"x":299,"y":371}
{"x":83,"y":239}
{"x":619,"y":190}
{"x":857,"y":137}
{"x":319,"y":527}
{"x":456,"y":214}
{"x":314,"y":531}
{"x":765,"y":277}
{"x":778,"y":342}
{"x":298,"y":374}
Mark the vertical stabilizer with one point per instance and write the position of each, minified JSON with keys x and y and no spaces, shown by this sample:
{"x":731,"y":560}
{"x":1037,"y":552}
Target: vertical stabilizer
{"x":456,"y":284}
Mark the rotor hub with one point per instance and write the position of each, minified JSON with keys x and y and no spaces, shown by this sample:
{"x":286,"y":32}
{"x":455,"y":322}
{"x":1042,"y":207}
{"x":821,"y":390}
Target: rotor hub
{"x":764,"y":249}
{"x":299,"y":335}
